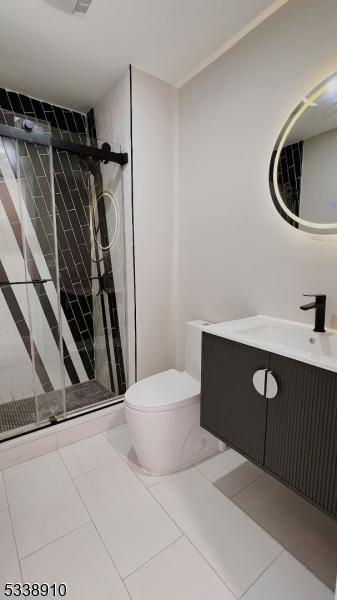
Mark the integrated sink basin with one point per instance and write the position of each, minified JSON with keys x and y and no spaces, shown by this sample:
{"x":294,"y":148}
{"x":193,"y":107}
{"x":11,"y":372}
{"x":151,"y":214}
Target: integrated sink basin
{"x":287,"y":338}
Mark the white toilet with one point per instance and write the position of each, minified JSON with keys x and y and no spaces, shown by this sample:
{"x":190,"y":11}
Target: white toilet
{"x":163,"y":414}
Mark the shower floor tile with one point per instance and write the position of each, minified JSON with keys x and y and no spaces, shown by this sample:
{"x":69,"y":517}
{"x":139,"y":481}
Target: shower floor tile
{"x":19,"y":413}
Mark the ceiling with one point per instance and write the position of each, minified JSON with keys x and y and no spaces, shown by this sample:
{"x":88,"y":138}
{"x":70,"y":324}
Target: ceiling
{"x":71,"y":60}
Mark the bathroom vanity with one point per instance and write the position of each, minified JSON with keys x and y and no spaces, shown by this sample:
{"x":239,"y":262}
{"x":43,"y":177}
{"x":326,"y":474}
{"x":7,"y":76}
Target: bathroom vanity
{"x":269,"y":390}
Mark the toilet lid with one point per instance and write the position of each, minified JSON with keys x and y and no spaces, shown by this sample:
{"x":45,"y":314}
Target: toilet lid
{"x":164,"y":391}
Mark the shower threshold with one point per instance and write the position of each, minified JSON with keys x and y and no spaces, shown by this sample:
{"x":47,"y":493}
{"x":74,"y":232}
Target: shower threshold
{"x":18,"y":414}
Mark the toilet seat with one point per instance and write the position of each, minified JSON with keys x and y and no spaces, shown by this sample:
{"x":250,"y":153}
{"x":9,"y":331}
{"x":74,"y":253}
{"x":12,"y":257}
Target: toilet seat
{"x":162,"y":392}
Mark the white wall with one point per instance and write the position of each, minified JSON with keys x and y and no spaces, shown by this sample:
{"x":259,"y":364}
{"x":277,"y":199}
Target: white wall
{"x":318,"y":202}
{"x":236,"y":256}
{"x":154,"y":144}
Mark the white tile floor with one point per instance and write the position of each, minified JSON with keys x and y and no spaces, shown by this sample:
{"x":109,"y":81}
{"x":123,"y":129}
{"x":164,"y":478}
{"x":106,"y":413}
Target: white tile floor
{"x":3,"y":499}
{"x":87,"y":516}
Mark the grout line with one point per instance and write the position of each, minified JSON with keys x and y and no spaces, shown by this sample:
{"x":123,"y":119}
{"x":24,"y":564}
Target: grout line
{"x":183,"y":533}
{"x":19,"y":464}
{"x":90,"y":470}
{"x":245,"y":487}
{"x":56,"y":540}
{"x":155,"y":556}
{"x":72,"y":481}
{"x":261,"y":574}
{"x":113,"y":562}
{"x":148,"y":560}
{"x":103,"y":542}
{"x":276,"y":539}
{"x":230,"y":499}
{"x":196,"y":548}
{"x":209,"y":480}
{"x":90,"y":520}
{"x":192,"y":543}
{"x":281,"y":543}
{"x":157,"y":553}
{"x":13,"y":531}
{"x":133,"y":466}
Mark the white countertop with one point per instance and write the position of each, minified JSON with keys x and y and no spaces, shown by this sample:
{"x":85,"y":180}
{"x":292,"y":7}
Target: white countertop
{"x":287,"y":338}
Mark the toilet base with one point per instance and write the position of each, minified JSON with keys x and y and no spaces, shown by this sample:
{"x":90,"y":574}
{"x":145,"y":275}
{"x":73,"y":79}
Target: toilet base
{"x":171,"y":440}
{"x":221,"y":448}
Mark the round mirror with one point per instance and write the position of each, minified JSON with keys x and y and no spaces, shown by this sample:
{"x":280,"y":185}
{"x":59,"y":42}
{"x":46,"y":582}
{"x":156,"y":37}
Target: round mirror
{"x":303,"y":168}
{"x":105,"y":221}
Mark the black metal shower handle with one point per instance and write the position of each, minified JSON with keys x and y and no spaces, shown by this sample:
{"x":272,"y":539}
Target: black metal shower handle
{"x":103,"y":283}
{"x":32,"y":282}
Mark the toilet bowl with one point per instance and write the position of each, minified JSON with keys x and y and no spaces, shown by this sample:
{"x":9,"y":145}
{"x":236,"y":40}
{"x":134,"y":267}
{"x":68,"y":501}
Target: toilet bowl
{"x":163,"y":414}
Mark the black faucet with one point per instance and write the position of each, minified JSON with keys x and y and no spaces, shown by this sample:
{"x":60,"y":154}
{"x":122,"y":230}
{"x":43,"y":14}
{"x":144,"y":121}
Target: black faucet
{"x":319,"y":306}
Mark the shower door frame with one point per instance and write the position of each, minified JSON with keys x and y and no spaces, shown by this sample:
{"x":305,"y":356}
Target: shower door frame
{"x":103,"y":154}
{"x":28,"y":135}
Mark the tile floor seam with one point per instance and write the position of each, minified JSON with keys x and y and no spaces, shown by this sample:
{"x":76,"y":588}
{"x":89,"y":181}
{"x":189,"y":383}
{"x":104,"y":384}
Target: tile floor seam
{"x":184,"y":534}
{"x":92,"y":519}
{"x":242,"y":597}
{"x":154,"y":556}
{"x":206,"y":478}
{"x":127,"y":462}
{"x":90,"y":470}
{"x":112,"y":561}
{"x":242,"y":510}
{"x":31,"y":459}
{"x":103,"y":542}
{"x":231,"y":499}
{"x":242,"y":489}
{"x":163,"y":509}
{"x":13,"y":531}
{"x":55,"y":540}
{"x":75,"y":486}
{"x":285,"y":546}
{"x":147,"y":489}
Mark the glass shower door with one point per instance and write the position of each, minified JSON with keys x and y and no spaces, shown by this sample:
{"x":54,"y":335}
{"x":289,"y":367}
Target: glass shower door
{"x":38,"y":218}
{"x":63,"y":317}
{"x":31,"y":373}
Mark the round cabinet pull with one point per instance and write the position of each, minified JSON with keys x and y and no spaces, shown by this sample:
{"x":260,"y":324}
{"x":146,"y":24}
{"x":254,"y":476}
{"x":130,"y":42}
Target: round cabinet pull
{"x":259,"y":381}
{"x":271,"y":386}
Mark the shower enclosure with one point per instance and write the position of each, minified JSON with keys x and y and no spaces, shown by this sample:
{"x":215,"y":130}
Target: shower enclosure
{"x":63,"y":341}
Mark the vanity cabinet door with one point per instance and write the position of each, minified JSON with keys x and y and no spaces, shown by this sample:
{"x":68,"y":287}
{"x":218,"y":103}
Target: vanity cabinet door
{"x":231,"y":408}
{"x":301,"y":436}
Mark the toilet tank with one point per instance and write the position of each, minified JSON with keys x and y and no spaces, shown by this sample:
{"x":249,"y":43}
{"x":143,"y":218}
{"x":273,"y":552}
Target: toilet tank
{"x":193,"y":335}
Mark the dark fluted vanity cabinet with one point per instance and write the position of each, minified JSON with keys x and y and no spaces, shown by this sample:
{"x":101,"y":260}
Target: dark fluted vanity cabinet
{"x":294,"y":435}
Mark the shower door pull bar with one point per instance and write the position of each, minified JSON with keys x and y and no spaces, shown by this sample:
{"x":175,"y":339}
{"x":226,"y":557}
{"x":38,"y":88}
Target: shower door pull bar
{"x":32,"y":282}
{"x":104,"y":153}
{"x":104,"y":283}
